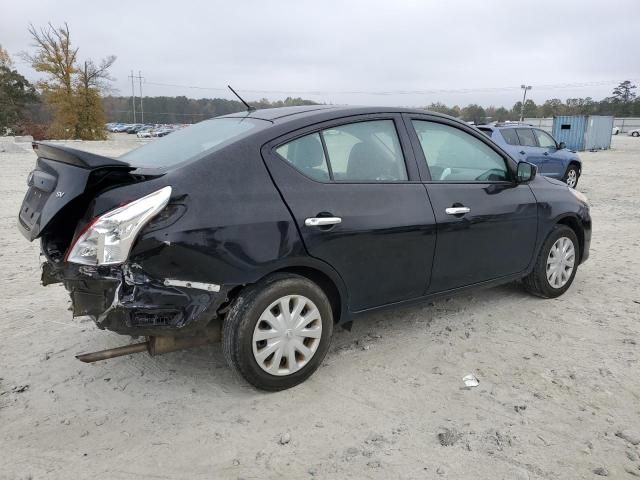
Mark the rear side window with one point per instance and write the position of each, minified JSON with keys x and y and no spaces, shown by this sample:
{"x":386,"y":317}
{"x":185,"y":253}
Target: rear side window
{"x":510,"y":136}
{"x":363,"y":152}
{"x":195,"y":141}
{"x":307,"y":155}
{"x":527,"y":139}
{"x":455,"y":156}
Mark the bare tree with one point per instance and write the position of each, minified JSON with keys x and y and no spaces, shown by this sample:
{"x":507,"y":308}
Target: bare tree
{"x":54,"y":54}
{"x":97,"y":76}
{"x":73,"y":91}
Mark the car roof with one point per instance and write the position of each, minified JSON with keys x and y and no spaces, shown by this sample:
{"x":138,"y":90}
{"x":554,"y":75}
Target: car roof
{"x":507,"y":125}
{"x":281,"y":115}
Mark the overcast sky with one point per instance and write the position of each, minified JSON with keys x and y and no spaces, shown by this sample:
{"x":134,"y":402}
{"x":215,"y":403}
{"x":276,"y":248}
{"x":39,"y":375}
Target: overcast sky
{"x":476,"y":51}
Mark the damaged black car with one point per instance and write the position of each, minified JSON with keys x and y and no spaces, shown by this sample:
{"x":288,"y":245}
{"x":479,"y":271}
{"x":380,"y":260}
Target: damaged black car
{"x":267,"y":229}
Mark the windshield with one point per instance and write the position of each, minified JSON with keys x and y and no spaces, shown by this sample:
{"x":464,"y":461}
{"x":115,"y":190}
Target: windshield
{"x":188,"y":143}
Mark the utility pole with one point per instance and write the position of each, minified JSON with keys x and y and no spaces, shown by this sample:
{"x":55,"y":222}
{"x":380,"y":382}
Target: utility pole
{"x":133,"y":96}
{"x":524,"y":99}
{"x":141,"y":97}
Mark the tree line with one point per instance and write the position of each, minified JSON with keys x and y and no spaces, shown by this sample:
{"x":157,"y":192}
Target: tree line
{"x":623,"y":102}
{"x":182,"y":109}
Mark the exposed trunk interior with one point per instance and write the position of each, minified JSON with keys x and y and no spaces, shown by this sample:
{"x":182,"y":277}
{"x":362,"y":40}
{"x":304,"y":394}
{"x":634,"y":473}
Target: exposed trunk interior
{"x":63,"y":184}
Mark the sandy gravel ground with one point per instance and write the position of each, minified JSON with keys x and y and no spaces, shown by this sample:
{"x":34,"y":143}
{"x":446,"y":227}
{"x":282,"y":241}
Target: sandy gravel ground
{"x":559,"y":379}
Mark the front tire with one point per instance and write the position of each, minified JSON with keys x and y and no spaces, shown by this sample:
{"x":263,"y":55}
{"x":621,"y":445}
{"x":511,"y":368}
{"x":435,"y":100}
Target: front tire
{"x":556,"y":265}
{"x":277,"y":332}
{"x":571,"y":176}
{"x":635,"y":134}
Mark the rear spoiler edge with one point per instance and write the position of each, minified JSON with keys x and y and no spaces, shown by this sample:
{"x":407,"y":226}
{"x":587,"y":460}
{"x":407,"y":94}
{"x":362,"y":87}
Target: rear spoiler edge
{"x":78,"y":158}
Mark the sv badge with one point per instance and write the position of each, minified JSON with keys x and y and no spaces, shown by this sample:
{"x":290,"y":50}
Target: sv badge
{"x":59,"y":194}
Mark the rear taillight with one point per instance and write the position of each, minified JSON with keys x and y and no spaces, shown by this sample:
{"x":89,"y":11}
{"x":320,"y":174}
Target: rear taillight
{"x":108,"y":239}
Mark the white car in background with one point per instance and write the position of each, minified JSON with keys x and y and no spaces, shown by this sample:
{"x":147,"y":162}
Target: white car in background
{"x":145,"y":133}
{"x":635,"y":132}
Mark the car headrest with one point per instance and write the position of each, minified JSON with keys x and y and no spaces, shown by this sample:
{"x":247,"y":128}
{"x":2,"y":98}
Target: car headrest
{"x":367,"y":162}
{"x":309,"y":153}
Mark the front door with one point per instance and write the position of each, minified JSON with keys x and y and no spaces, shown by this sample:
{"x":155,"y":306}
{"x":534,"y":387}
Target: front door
{"x":553,"y":165}
{"x":487,"y":224}
{"x":359,"y":205}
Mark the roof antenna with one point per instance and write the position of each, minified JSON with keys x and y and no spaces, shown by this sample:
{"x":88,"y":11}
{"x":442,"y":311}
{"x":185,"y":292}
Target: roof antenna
{"x":249,"y":107}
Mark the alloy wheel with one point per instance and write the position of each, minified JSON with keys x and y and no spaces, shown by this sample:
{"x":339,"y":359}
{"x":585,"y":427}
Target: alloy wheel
{"x":287,"y":335}
{"x":572,"y":178}
{"x":560,"y":262}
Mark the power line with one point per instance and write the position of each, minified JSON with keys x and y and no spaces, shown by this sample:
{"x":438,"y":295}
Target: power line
{"x":397,"y":92}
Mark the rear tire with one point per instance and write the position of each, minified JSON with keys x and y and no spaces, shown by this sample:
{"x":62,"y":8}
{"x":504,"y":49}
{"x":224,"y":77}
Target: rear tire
{"x":288,"y":354}
{"x":538,"y":282}
{"x":571,"y":176}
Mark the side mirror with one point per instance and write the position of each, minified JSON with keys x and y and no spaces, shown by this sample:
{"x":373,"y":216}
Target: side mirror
{"x":526,"y":172}
{"x":562,"y":145}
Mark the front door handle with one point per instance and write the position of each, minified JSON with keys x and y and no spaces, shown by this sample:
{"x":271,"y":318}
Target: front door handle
{"x":522,"y":152}
{"x":546,"y":154}
{"x":322,"y":221}
{"x":457,"y":210}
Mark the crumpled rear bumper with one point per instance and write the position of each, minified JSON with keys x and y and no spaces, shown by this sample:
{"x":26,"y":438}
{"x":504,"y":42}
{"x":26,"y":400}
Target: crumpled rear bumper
{"x":126,"y":300}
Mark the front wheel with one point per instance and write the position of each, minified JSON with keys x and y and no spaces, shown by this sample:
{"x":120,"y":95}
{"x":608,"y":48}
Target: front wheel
{"x":556,"y":264}
{"x":635,"y":134}
{"x":571,"y":176}
{"x":277,"y":332}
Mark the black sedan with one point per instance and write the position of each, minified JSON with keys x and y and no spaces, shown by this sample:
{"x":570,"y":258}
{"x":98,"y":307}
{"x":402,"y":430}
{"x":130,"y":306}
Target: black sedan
{"x":269,"y":228}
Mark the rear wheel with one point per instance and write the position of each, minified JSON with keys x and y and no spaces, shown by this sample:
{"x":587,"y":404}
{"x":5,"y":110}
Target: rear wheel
{"x":556,"y":264}
{"x":571,"y":176}
{"x":278,"y":331}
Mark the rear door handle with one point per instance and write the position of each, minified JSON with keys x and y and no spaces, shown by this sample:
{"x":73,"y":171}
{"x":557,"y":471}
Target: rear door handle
{"x":321,"y":221}
{"x":457,"y":210}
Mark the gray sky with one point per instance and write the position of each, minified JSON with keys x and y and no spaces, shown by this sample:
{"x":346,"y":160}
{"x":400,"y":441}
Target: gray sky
{"x":452,"y":51}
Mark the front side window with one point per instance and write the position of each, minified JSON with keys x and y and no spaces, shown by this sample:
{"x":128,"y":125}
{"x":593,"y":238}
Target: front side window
{"x":510,"y":136}
{"x":544,"y":139}
{"x":361,"y":152}
{"x":455,"y":156}
{"x":526,"y":136}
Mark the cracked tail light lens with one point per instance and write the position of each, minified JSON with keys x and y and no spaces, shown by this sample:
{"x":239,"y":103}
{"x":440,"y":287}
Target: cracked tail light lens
{"x":108,"y":239}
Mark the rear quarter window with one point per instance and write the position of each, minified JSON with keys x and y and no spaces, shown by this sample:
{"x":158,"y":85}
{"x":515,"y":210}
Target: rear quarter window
{"x":192,"y":142}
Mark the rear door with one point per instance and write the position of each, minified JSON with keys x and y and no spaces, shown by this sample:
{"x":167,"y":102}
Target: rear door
{"x":487,"y":224}
{"x":353,"y":188}
{"x":513,"y":146}
{"x":529,"y":145}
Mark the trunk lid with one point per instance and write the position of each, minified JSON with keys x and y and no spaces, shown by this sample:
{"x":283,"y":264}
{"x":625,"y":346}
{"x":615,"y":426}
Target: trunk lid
{"x":63,"y":175}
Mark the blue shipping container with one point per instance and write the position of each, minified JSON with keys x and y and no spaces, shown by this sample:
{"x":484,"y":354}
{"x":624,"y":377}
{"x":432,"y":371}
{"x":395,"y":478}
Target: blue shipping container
{"x":583,"y":132}
{"x":570,"y":130}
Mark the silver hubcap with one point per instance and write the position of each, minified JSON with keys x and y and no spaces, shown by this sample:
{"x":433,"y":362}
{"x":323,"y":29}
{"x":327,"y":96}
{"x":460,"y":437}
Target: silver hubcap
{"x":572,"y":178}
{"x":287,"y":335}
{"x":560,"y":262}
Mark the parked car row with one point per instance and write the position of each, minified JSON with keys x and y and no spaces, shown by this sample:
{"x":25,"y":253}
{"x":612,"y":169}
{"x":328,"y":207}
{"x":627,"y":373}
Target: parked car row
{"x":634,"y":133}
{"x":144,"y":130}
